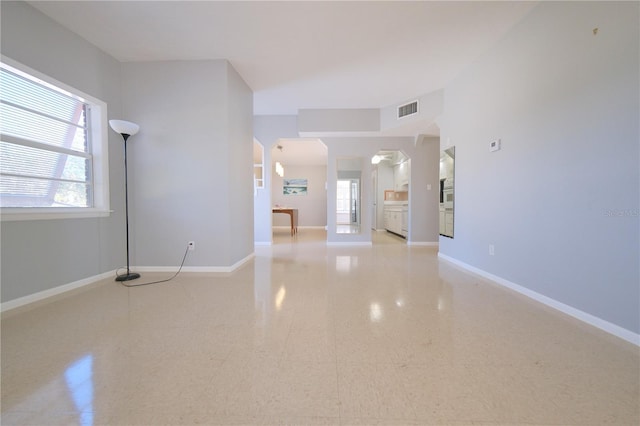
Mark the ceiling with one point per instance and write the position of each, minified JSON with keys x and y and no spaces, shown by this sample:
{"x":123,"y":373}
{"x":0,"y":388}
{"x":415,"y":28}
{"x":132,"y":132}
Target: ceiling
{"x":297,"y":55}
{"x":302,"y":54}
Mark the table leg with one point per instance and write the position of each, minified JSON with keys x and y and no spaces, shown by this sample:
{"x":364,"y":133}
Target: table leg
{"x":292,"y":228}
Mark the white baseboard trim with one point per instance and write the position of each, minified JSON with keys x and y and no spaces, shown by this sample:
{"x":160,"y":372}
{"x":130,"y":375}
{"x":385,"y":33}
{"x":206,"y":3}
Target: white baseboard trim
{"x":46,"y":294}
{"x":592,"y":320}
{"x":216,"y":269}
{"x":299,"y":227}
{"x":423,"y":243}
{"x":241,"y":262}
{"x":262,"y":243}
{"x":349,"y":243}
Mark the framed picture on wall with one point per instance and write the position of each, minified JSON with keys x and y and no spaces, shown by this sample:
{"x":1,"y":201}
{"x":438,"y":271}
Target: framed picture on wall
{"x":294,"y":187}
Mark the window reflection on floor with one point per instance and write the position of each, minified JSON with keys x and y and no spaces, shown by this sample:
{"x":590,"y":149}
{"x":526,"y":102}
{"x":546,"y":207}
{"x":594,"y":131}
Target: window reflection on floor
{"x":79,"y":378}
{"x":346,"y":263}
{"x":347,"y":229}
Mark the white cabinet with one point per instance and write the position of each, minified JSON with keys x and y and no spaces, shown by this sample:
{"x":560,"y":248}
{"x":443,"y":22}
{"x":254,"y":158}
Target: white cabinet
{"x":405,"y":222}
{"x":448,"y":222}
{"x":396,"y":222}
{"x":396,"y":219}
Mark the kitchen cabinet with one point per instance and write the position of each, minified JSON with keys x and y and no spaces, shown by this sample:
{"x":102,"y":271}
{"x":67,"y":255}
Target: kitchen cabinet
{"x":396,"y":218}
{"x":405,"y":221}
{"x":448,"y":222}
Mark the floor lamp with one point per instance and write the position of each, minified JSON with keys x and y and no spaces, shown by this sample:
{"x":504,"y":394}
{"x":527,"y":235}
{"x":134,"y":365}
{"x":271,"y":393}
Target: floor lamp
{"x":126,"y":129}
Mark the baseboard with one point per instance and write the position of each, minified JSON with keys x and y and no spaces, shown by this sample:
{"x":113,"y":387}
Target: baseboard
{"x":209,"y":269}
{"x":52,"y":292}
{"x":423,"y":243}
{"x":592,"y":320}
{"x":262,"y":243}
{"x":299,"y":227}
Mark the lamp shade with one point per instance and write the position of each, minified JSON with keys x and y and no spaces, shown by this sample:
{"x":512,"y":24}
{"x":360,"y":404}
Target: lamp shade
{"x":124,"y":127}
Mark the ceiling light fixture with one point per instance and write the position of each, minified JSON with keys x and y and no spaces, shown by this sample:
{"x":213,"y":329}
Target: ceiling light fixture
{"x":279,"y":169}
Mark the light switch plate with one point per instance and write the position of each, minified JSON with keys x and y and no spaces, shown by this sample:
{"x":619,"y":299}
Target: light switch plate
{"x":494,"y":145}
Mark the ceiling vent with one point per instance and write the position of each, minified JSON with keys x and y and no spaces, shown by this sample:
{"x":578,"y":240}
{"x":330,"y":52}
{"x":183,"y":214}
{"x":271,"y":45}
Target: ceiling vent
{"x":408,"y":109}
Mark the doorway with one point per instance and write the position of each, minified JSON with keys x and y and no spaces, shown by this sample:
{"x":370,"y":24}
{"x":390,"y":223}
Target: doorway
{"x":298,"y":176}
{"x":348,"y":206}
{"x":391,"y":172}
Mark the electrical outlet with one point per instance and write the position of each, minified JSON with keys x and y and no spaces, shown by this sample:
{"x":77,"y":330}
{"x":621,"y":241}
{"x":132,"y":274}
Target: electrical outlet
{"x":192,"y":245}
{"x":492,"y":250}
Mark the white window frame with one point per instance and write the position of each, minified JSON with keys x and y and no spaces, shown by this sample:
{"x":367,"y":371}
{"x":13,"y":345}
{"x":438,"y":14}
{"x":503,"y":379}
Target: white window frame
{"x":99,"y":150}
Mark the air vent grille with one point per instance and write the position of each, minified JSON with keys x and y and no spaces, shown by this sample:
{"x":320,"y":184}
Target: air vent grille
{"x":408,"y":109}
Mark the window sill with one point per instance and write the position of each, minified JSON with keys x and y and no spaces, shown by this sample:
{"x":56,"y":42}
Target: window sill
{"x":18,"y":214}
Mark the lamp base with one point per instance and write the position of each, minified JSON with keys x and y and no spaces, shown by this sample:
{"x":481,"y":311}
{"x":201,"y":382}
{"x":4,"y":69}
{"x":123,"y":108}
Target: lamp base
{"x":128,"y":276}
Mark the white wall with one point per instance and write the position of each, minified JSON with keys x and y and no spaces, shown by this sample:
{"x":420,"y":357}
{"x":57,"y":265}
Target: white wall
{"x":560,"y":201}
{"x":312,"y":208}
{"x":40,"y":255}
{"x":338,"y":120}
{"x":191,"y":164}
{"x":240,"y":173}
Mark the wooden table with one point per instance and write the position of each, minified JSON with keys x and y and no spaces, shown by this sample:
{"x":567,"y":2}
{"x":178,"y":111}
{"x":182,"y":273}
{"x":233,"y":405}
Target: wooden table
{"x":293,"y":213}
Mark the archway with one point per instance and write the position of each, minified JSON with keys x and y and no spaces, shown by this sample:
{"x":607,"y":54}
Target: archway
{"x":390,"y":182}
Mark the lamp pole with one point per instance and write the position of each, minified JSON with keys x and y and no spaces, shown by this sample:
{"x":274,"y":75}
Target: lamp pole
{"x":126,"y":129}
{"x":129,"y":275}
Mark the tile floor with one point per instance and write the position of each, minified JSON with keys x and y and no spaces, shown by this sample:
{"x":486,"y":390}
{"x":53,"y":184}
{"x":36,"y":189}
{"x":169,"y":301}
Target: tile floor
{"x":309,"y":334}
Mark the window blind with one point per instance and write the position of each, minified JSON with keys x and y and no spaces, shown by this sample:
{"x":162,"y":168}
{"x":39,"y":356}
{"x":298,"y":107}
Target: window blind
{"x":45,"y":152}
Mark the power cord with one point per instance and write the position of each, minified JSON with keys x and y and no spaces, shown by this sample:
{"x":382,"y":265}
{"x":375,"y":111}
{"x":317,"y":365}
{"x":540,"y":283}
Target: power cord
{"x":124,"y":283}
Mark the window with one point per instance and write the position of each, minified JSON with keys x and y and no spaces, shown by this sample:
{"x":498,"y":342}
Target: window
{"x":52,"y":159}
{"x":258,"y":165}
{"x":343,"y":196}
